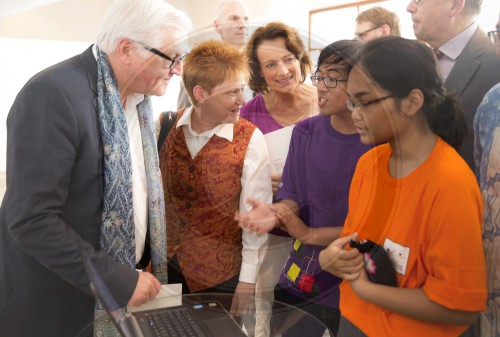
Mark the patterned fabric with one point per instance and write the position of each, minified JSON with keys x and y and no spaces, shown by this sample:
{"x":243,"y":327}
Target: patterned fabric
{"x":117,"y":236}
{"x":202,"y":195}
{"x":487,"y":160}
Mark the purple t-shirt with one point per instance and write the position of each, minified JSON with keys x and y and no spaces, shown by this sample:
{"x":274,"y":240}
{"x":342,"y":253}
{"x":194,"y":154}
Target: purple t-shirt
{"x":256,"y":113}
{"x":317,"y":175}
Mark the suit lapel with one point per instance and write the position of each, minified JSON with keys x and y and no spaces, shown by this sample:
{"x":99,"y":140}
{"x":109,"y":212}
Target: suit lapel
{"x":90,"y":65}
{"x":467,"y":63}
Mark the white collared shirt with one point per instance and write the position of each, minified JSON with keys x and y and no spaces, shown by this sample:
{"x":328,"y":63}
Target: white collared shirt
{"x":139,"y":181}
{"x":255,"y":182}
{"x":453,"y":48}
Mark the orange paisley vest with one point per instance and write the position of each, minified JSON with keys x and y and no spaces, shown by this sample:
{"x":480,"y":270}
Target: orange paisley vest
{"x":201,"y":198}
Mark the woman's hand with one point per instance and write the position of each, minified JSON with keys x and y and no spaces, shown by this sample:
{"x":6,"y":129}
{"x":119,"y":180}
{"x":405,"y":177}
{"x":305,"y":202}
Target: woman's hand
{"x":346,"y":264}
{"x":261,"y":219}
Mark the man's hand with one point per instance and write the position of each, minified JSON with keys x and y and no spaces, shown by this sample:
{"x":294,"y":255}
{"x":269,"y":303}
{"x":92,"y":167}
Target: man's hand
{"x":146,"y":289}
{"x":340,"y":262}
{"x":243,"y":299}
{"x":261,"y":219}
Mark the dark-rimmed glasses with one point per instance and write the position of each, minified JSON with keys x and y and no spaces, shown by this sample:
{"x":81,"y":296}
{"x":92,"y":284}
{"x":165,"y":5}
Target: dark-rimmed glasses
{"x":330,"y":82}
{"x":353,"y":104}
{"x":361,"y":36}
{"x":173,"y":60}
{"x":494,"y":36}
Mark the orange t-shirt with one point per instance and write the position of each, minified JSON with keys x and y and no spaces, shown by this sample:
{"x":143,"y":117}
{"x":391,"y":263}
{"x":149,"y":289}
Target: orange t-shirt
{"x":430,"y":222}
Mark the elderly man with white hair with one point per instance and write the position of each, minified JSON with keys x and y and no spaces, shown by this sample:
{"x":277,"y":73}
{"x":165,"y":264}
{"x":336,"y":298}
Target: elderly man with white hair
{"x":83,"y":172}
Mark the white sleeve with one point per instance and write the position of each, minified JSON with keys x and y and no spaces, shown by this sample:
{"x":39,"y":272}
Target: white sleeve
{"x":256,"y":184}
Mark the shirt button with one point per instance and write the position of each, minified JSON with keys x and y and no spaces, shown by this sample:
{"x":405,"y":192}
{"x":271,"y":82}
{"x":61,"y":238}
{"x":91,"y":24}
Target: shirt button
{"x":188,"y":205}
{"x":191,"y":169}
{"x":190,"y":189}
{"x":178,"y":242}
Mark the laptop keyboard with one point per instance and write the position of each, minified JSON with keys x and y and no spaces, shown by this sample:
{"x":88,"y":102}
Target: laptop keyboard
{"x":174,"y":323}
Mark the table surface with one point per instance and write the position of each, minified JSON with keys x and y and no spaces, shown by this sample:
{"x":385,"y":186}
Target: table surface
{"x":266,"y":318}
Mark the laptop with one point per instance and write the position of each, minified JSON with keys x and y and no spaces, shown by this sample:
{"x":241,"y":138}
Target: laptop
{"x":203,"y":319}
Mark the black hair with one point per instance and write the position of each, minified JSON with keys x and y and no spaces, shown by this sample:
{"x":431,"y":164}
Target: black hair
{"x":400,"y":65}
{"x":342,"y":51}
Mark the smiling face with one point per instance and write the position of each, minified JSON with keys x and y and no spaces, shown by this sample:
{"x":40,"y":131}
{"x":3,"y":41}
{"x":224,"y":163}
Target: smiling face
{"x":375,"y":123}
{"x":223,"y":103}
{"x":232,"y":22}
{"x":278,"y":66}
{"x":332,"y":101}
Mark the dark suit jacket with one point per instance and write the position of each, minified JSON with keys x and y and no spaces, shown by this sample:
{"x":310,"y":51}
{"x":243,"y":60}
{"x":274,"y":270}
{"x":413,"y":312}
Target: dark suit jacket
{"x":476,"y":71}
{"x":54,"y":198}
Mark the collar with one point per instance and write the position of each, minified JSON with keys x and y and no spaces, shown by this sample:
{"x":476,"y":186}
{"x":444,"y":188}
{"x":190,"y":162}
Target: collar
{"x":454,"y":47}
{"x":225,"y":130}
{"x":133,"y":99}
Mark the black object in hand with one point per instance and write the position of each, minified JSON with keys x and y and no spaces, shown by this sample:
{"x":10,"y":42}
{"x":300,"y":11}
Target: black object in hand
{"x":378,"y":265}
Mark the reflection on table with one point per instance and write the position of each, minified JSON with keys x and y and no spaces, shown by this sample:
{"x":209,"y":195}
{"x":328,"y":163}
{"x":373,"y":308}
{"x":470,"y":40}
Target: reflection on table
{"x":284,"y":320}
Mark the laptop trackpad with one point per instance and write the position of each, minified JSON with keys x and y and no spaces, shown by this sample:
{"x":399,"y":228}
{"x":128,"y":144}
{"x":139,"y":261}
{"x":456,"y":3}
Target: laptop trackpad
{"x":216,"y":320}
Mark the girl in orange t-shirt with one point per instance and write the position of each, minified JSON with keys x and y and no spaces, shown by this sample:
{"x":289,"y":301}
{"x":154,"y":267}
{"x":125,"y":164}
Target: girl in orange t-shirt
{"x":414,"y":196}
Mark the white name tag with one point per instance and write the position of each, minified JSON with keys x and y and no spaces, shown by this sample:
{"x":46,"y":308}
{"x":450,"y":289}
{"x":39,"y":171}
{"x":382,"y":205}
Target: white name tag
{"x":398,"y":254}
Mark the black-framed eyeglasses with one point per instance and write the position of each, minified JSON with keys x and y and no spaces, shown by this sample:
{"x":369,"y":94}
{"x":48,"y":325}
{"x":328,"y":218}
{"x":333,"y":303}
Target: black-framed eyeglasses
{"x":361,"y":36}
{"x":494,"y":36}
{"x":353,"y":104}
{"x":330,"y":82}
{"x":173,"y":60}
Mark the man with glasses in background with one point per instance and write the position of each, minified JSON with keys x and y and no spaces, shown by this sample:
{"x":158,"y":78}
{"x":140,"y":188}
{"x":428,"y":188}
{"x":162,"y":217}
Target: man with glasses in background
{"x":466,"y":58}
{"x":376,"y":22}
{"x":82,"y":169}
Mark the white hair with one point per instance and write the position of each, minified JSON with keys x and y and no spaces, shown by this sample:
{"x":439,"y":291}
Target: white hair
{"x":144,"y":21}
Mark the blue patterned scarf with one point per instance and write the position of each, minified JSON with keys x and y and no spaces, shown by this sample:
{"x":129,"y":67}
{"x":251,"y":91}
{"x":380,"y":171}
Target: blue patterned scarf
{"x":117,"y":236}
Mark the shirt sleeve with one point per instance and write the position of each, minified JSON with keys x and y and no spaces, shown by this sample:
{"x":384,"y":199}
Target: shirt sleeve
{"x":457,"y":275}
{"x":256,"y":184}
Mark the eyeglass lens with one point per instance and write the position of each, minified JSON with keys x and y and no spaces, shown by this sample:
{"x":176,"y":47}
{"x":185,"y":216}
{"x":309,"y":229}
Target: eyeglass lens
{"x":494,"y":36}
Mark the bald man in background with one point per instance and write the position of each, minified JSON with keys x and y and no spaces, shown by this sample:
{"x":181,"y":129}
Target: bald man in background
{"x":231,"y":25}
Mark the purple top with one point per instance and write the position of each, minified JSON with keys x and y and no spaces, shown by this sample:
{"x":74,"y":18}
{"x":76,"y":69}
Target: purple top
{"x":317,"y":176}
{"x":256,"y":113}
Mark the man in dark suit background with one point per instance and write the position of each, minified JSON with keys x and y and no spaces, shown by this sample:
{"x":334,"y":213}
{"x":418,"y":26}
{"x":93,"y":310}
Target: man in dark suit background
{"x":466,"y":56}
{"x":62,"y":187}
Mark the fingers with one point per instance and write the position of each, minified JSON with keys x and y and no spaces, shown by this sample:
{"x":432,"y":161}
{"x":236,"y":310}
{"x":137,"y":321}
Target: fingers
{"x":253,"y":202}
{"x":275,"y":181}
{"x":340,"y":242}
{"x":341,"y":262}
{"x":276,"y":176}
{"x":156,"y":285}
{"x":146,"y":289}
